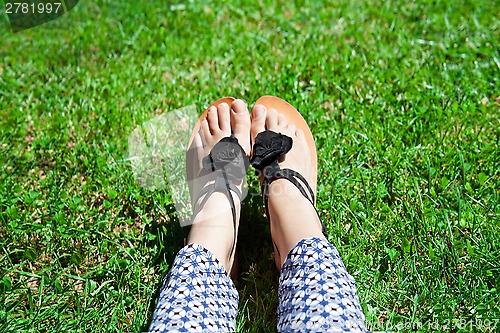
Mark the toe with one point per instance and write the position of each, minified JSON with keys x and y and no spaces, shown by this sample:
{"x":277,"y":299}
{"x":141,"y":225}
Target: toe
{"x":199,"y":145}
{"x":240,"y":124}
{"x":224,"y":119}
{"x":205,"y":133}
{"x":258,"y":120}
{"x":272,"y":119}
{"x":291,"y":129}
{"x":198,"y":141}
{"x":282,"y":122}
{"x":213,"y":120}
{"x":300,"y":134}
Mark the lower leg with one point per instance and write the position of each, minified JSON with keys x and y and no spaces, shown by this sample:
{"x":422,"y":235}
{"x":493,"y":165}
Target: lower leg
{"x":316,"y":294}
{"x":198,"y":294}
{"x":292,"y":217}
{"x":214,"y":226}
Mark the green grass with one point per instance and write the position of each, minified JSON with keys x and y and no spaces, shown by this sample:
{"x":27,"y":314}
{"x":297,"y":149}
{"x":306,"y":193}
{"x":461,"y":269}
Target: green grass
{"x":402,"y":98}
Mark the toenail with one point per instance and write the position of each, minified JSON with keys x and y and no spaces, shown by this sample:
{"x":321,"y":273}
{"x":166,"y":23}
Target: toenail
{"x":259,"y":112}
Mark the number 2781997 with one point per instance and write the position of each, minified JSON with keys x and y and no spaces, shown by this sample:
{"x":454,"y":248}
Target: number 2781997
{"x":31,"y":8}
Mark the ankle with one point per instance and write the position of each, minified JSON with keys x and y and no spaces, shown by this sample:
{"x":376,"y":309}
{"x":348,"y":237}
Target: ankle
{"x":286,"y":200}
{"x":213,"y":228}
{"x":292,"y":217}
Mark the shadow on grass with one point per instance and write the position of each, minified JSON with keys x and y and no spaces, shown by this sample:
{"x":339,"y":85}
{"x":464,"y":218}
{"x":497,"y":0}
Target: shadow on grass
{"x":257,"y":282}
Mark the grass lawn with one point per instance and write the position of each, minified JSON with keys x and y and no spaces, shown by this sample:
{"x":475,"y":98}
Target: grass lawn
{"x":402,"y":99}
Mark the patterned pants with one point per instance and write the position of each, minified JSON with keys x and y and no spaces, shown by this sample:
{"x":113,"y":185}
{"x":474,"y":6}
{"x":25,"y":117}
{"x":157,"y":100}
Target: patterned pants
{"x":316,"y":294}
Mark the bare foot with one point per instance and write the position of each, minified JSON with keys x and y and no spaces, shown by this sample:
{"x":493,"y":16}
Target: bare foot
{"x":292,"y":216}
{"x":213,"y":224}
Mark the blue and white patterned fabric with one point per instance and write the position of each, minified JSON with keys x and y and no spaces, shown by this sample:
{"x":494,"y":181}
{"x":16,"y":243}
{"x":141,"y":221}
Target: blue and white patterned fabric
{"x":197,"y":295}
{"x":316,"y":294}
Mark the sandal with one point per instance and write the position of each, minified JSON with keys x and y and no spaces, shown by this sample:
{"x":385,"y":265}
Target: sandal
{"x":270,"y":147}
{"x":227,"y":161}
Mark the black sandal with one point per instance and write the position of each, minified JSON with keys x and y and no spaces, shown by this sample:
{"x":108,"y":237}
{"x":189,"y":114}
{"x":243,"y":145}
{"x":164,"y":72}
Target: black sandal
{"x":228,"y":157}
{"x":268,"y":149}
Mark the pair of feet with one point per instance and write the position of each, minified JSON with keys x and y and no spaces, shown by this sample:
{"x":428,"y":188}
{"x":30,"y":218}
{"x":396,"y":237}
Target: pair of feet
{"x":292,"y":217}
